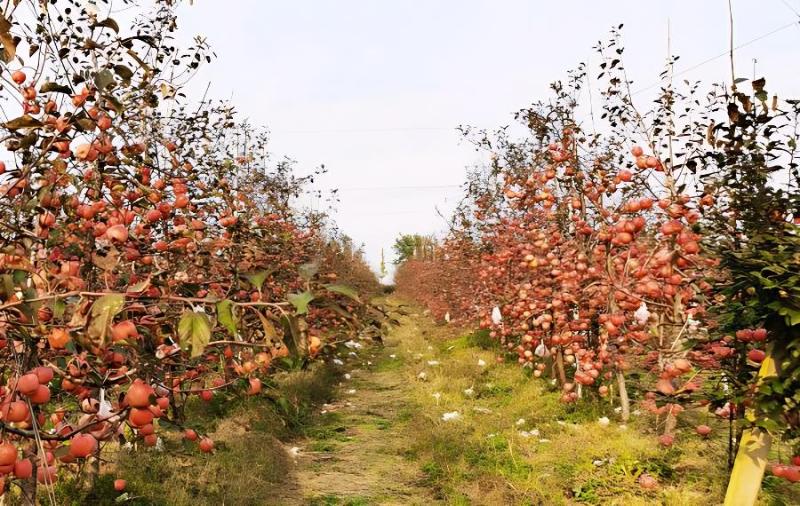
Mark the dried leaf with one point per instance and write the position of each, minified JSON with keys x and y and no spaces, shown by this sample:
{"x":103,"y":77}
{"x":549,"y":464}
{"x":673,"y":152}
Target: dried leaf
{"x":107,"y":23}
{"x":107,"y":262}
{"x":9,"y":44}
{"x":24,"y":121}
{"x":50,"y":86}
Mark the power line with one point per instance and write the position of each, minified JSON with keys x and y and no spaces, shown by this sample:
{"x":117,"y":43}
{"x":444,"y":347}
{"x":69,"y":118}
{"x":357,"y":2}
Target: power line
{"x":395,"y":213}
{"x":365,"y":130}
{"x":726,"y":53}
{"x":787,"y":4}
{"x":380,"y":188}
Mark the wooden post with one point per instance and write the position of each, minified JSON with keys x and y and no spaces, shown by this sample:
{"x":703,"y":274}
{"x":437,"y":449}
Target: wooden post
{"x":751,"y":460}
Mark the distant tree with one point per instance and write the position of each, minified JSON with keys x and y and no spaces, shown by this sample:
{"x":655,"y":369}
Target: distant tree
{"x":415,"y":246}
{"x":405,"y":247}
{"x":384,"y":272}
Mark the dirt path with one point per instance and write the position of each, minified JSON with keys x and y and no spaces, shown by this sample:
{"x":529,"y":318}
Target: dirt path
{"x":434,"y":418}
{"x":356,"y":453}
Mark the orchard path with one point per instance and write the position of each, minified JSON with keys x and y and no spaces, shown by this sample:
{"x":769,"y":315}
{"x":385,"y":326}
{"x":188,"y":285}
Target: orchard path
{"x":356,"y":452}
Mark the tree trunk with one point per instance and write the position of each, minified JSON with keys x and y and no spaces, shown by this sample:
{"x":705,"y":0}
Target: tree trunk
{"x":562,"y":376}
{"x":624,"y":402}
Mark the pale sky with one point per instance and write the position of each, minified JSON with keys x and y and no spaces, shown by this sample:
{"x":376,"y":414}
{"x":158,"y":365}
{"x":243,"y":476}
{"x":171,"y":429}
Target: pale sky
{"x":374,"y":89}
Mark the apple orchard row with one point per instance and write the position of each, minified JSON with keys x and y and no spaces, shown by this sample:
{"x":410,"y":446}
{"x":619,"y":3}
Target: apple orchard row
{"x":150,"y":252}
{"x":656,"y":247}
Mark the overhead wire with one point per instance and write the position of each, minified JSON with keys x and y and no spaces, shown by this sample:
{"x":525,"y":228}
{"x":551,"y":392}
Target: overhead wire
{"x":721,"y":55}
{"x":424,"y":187}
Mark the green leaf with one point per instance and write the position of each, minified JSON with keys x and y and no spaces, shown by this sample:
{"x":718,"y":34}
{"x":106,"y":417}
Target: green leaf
{"x":792,"y":315}
{"x":103,"y":79}
{"x":103,"y":312}
{"x":283,"y":403}
{"x":140,"y":286}
{"x":194,"y":331}
{"x":115,"y":103}
{"x":345,"y":290}
{"x":226,"y":317}
{"x":308,"y":270}
{"x":257,"y":278}
{"x":59,"y":308}
{"x":300,"y":301}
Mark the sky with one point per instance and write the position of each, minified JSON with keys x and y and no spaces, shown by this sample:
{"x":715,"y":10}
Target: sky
{"x":375,"y":89}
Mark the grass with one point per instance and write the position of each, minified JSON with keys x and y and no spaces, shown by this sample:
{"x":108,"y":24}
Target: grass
{"x":248,"y":465}
{"x":488,"y":455}
{"x":332,"y":500}
{"x":514,"y":442}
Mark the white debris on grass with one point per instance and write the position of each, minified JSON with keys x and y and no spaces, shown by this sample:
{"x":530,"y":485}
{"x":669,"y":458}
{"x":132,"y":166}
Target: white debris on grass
{"x":336,"y":361}
{"x":433,"y":362}
{"x":485,"y":411}
{"x":642,"y":314}
{"x":353,"y":345}
{"x":481,"y":362}
{"x":469,"y":392}
{"x":294,"y":451}
{"x":604,"y":421}
{"x":422,"y":376}
{"x":347,"y":376}
{"x":520,"y":422}
{"x":392,"y":356}
{"x":450,"y":416}
{"x":351,"y":391}
{"x":497,"y":316}
{"x":437,"y":396}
